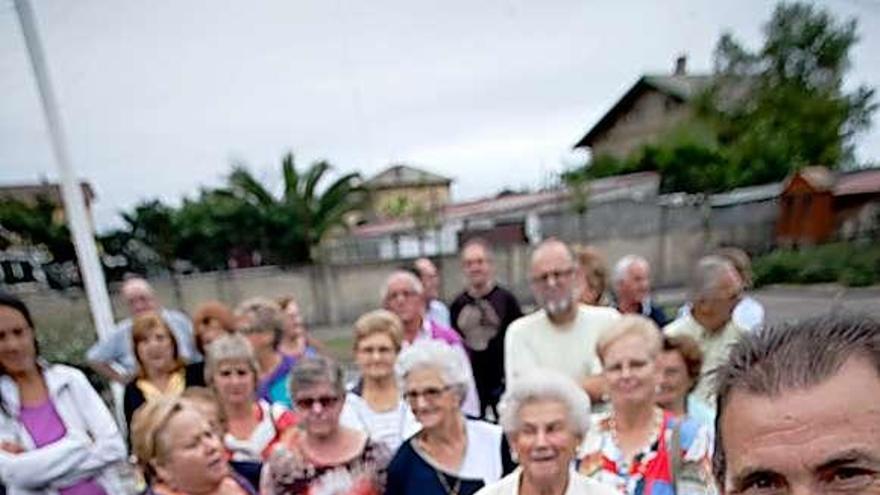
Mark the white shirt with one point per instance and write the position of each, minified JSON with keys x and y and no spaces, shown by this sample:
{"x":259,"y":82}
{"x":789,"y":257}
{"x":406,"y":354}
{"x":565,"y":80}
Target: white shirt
{"x":749,"y":314}
{"x":534,"y":341}
{"x":390,"y":427}
{"x":577,"y":485}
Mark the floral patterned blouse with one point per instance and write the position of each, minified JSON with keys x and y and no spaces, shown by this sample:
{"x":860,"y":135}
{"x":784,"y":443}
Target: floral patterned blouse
{"x":649,"y":472}
{"x":285,"y":472}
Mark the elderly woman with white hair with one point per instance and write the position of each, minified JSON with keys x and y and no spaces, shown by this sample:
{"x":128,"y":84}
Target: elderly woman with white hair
{"x":451,"y":454}
{"x":545,"y":416}
{"x":638,"y":448}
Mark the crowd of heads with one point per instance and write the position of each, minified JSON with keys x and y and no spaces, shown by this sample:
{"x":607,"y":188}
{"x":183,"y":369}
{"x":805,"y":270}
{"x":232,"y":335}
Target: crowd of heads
{"x":775,"y":392}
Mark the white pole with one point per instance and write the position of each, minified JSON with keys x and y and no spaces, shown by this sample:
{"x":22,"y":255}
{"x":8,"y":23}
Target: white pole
{"x":71,"y":192}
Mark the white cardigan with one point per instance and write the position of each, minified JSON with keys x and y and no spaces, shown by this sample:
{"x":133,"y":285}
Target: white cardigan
{"x":90,"y":448}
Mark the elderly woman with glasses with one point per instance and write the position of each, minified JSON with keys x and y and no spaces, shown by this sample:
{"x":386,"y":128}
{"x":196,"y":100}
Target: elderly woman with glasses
{"x":451,"y":454}
{"x":374,"y":405}
{"x":545,"y":415}
{"x":323,"y":456}
{"x":179,"y":453}
{"x":638,"y":448}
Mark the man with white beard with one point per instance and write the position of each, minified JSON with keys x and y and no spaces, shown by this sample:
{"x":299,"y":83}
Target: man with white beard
{"x":562,"y":334}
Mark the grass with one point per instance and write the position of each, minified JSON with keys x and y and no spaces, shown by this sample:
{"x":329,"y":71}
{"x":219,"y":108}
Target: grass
{"x":339,"y":349}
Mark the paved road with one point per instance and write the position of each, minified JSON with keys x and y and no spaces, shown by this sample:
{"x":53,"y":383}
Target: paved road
{"x":792,"y":303}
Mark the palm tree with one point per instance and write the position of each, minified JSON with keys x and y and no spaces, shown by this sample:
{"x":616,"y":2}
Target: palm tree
{"x":305,"y":214}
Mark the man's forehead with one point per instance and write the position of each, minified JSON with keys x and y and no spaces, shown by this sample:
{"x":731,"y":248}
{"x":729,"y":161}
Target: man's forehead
{"x":424,"y":264}
{"x":803,"y":427}
{"x":137,"y":288}
{"x":638,"y":267}
{"x":473,"y":252}
{"x":551,"y":256}
{"x":400,"y":281}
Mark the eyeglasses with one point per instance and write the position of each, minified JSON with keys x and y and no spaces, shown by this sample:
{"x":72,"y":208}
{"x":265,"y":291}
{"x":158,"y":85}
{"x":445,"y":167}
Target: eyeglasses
{"x":380,"y":350}
{"x":326,"y":401}
{"x":429,"y":393}
{"x":555,"y":275}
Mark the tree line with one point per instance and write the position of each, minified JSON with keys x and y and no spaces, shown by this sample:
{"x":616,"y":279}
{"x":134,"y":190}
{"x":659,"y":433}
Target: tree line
{"x":242,"y":223}
{"x":766,"y":112}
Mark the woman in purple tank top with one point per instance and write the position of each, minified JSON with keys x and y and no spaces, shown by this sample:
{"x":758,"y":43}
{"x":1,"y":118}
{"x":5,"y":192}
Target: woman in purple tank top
{"x":56,"y":435}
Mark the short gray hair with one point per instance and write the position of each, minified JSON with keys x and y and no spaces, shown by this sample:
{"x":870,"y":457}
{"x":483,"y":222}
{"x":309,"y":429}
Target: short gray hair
{"x":707,"y":275}
{"x":437,"y":355}
{"x":544,"y":385}
{"x":316,"y":370}
{"x":410,"y":277}
{"x":622,"y":267}
{"x":794,"y":356}
{"x":232,"y":347}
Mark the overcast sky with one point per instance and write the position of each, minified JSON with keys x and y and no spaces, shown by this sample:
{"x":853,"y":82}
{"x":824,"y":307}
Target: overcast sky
{"x":159,"y":97}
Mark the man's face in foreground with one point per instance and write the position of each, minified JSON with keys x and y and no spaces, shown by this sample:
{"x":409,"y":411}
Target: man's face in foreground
{"x":822,"y":439}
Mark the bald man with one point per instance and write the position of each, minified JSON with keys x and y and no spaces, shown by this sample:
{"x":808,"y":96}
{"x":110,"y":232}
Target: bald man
{"x":113,"y":357}
{"x":562,"y":334}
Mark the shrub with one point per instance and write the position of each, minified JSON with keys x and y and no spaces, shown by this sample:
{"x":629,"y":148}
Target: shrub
{"x":850,"y":264}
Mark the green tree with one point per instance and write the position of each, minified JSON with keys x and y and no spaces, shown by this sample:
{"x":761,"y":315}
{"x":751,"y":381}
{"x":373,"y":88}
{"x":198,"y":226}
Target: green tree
{"x":38,"y":225}
{"x":300,"y":218}
{"x":766,"y":112}
{"x":217,"y":226}
{"x":151,"y":223}
{"x":783,"y":106}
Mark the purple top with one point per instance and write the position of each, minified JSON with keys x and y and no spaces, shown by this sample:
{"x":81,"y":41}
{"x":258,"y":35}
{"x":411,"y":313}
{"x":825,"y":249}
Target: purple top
{"x":45,"y":427}
{"x":273,"y":389}
{"x":446,"y":334}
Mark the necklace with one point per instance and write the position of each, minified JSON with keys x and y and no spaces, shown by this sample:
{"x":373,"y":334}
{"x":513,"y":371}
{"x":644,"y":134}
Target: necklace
{"x":656,"y":423}
{"x":449,"y":490}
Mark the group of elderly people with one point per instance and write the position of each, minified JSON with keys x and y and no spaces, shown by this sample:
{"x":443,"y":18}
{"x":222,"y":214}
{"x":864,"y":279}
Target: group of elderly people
{"x":266,"y":412}
{"x":400,"y":429}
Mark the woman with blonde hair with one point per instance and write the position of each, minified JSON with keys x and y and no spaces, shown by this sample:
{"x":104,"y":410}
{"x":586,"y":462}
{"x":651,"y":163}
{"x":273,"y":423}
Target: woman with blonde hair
{"x":251,"y":425}
{"x":592,"y":275}
{"x":374,"y":405}
{"x":179,"y":454}
{"x":161,"y":371}
{"x":638,"y":448}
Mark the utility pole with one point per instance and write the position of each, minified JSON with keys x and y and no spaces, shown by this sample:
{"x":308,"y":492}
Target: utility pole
{"x":71,"y":192}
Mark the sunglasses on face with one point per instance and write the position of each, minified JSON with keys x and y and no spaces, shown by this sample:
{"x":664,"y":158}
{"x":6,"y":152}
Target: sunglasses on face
{"x":307,"y":403}
{"x":428,"y":393}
